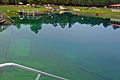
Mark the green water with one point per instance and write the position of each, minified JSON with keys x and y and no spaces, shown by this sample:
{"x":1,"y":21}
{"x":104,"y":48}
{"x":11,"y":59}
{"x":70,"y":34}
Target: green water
{"x":70,"y":46}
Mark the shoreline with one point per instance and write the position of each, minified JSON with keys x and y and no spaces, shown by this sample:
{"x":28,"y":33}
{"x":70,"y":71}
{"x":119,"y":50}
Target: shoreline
{"x":97,"y":15}
{"x":99,"y":12}
{"x":80,"y":13}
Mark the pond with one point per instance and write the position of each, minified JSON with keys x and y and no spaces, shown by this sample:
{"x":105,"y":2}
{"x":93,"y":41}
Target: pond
{"x":66,"y":45}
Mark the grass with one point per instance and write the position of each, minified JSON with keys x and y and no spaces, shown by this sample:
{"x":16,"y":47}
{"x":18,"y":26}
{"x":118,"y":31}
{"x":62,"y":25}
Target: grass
{"x":13,"y":9}
{"x":97,"y":10}
{"x":103,"y":17}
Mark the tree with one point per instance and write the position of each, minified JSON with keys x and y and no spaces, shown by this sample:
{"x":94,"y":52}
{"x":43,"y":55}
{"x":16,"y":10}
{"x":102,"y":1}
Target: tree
{"x":5,"y":1}
{"x":34,"y":2}
{"x":70,"y":2}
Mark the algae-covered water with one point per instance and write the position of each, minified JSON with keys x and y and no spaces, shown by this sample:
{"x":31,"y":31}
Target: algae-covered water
{"x":66,"y":45}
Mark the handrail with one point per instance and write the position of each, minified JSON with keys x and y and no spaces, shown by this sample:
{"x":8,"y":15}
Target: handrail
{"x":33,"y":70}
{"x":28,"y":10}
{"x":7,"y":16}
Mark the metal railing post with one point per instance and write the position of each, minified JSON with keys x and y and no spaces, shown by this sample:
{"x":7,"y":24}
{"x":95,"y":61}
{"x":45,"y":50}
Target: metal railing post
{"x":33,"y":70}
{"x":38,"y":76}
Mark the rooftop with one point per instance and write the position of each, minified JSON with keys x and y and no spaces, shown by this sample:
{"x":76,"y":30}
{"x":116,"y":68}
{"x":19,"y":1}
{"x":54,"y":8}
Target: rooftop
{"x":115,"y":5}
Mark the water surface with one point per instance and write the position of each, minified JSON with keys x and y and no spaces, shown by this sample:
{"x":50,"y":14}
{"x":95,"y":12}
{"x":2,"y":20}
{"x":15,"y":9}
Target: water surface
{"x":67,"y":45}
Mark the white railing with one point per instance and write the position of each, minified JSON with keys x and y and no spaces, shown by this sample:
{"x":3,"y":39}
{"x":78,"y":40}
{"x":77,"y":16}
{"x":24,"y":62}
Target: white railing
{"x":33,"y":70}
{"x":115,"y":10}
{"x":28,"y":11}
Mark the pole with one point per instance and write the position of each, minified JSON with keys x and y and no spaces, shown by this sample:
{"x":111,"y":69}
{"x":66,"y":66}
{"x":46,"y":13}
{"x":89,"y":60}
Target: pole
{"x":15,"y":2}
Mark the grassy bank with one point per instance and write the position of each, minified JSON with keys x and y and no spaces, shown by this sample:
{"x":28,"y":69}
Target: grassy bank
{"x":96,"y":10}
{"x":13,"y":9}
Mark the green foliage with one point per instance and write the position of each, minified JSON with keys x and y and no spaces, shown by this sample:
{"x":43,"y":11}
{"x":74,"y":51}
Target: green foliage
{"x":34,"y":1}
{"x":13,"y":9}
{"x":70,"y":2}
{"x":5,"y":1}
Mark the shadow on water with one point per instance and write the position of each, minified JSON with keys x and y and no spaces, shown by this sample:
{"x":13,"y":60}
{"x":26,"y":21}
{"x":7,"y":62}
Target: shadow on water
{"x":55,"y":19}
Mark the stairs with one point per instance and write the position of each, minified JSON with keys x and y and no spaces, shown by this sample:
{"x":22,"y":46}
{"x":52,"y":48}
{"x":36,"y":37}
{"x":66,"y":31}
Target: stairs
{"x":4,"y":19}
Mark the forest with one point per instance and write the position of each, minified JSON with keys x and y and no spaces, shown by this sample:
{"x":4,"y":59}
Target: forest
{"x":65,"y":2}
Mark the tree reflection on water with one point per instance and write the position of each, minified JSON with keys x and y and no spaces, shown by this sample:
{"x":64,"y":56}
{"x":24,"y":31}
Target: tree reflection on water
{"x":63,"y":20}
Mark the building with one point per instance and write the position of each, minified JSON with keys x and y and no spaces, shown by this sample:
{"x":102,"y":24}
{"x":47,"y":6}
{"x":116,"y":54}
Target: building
{"x":115,"y":23}
{"x":115,"y":7}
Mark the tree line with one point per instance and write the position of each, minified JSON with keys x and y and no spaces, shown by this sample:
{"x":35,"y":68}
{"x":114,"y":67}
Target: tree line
{"x":66,"y":2}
